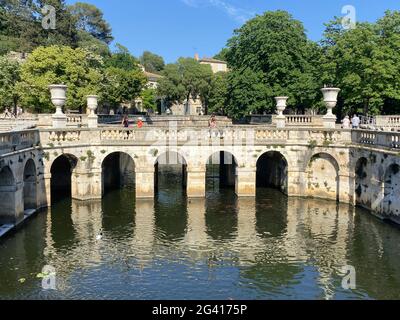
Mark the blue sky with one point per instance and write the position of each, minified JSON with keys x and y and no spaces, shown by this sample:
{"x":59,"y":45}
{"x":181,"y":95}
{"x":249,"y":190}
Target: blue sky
{"x":175,"y":28}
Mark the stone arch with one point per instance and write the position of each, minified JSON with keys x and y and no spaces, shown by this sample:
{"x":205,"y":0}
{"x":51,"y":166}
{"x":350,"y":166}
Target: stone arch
{"x":117,"y":170}
{"x":61,"y":176}
{"x":30,"y":185}
{"x":323,"y":177}
{"x":8,"y":190}
{"x":361,"y":181}
{"x":272,"y":171}
{"x":221,"y":170}
{"x":173,"y":166}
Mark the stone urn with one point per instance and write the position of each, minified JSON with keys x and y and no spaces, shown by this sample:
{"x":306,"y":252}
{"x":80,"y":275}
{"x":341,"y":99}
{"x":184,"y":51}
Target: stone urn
{"x":330,"y":99}
{"x":92,"y":103}
{"x":58,"y":98}
{"x":281,"y":103}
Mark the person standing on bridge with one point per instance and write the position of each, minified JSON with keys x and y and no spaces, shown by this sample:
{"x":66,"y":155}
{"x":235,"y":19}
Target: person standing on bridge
{"x":125,"y":121}
{"x":355,"y":122}
{"x":140,"y":123}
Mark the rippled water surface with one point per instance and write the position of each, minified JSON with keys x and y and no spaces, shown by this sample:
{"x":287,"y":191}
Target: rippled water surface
{"x":220,"y":247}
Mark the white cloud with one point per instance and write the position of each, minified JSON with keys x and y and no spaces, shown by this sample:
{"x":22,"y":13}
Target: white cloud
{"x":238,"y":14}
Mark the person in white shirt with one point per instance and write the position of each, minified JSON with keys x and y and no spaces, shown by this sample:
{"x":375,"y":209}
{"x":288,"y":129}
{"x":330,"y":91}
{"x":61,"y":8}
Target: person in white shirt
{"x":355,"y":122}
{"x":346,"y":122}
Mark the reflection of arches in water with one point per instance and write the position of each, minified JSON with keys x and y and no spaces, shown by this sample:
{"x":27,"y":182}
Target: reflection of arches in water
{"x":7,"y":196}
{"x":117,"y":171}
{"x":170,"y":172}
{"x":221,"y":171}
{"x":323,"y":177}
{"x":272,"y":171}
{"x":222,"y":215}
{"x":61,"y":173}
{"x":30,"y":185}
{"x":361,"y":181}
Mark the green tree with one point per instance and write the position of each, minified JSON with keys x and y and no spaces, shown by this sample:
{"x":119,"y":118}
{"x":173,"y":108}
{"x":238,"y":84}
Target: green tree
{"x":122,"y":59}
{"x":247,"y":93}
{"x":122,"y":85}
{"x":79,"y":69}
{"x":152,"y":62}
{"x":219,"y":92}
{"x":364,"y":63}
{"x":149,"y":99}
{"x":9,"y":78}
{"x":184,"y":80}
{"x":275,"y":48}
{"x":90,"y":19}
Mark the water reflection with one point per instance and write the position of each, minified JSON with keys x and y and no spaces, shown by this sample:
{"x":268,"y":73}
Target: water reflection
{"x":221,"y":247}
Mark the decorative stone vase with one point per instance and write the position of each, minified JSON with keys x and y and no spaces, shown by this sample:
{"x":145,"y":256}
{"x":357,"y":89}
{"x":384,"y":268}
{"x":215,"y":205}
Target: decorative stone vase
{"x":281,"y":103}
{"x":330,"y":99}
{"x":92,"y":102}
{"x":58,"y":98}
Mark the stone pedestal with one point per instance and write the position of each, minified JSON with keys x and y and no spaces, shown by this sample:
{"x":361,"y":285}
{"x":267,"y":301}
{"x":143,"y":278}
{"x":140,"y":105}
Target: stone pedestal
{"x":245,"y":182}
{"x":280,"y":122}
{"x":144,"y":182}
{"x":196,"y":182}
{"x":59,"y":121}
{"x":93,"y":121}
{"x":329,"y":121}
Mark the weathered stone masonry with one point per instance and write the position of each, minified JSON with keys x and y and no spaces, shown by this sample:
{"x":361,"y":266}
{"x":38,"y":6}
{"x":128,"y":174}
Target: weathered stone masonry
{"x":358,"y":167}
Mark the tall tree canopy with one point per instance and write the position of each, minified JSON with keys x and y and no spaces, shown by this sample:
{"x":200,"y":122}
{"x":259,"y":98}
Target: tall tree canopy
{"x":365,"y":63}
{"x":90,"y":19}
{"x":152,"y":62}
{"x":184,"y":80}
{"x":276,"y":45}
{"x":9,"y":79}
{"x":79,"y":69}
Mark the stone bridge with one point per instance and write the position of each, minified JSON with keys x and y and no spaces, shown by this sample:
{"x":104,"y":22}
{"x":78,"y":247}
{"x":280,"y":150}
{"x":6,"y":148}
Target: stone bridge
{"x":351,"y":167}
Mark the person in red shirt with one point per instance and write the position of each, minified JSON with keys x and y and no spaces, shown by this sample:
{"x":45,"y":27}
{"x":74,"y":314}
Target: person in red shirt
{"x":140,"y":123}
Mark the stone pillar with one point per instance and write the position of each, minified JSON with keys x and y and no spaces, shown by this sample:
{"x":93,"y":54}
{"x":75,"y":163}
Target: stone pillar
{"x":144,"y":182}
{"x":346,"y":188}
{"x":296,"y":183}
{"x":47,"y":188}
{"x":86,"y":184}
{"x":12,"y":208}
{"x":246,"y":182}
{"x":196,"y":182}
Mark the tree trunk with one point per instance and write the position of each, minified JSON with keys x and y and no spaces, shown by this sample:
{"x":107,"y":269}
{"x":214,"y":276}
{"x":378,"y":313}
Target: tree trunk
{"x":366,"y":106}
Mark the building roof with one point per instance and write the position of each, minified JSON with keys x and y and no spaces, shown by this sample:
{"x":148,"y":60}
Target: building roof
{"x":152,"y":76}
{"x":212,"y":60}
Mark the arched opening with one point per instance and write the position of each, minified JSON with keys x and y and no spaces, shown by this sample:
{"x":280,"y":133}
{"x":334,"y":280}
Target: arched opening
{"x":61,"y":172}
{"x":118,"y":171}
{"x":272,"y":171}
{"x":7,"y":196}
{"x":30,"y":185}
{"x":170,"y":174}
{"x":361,"y":181}
{"x":323,"y":177}
{"x":221,"y":171}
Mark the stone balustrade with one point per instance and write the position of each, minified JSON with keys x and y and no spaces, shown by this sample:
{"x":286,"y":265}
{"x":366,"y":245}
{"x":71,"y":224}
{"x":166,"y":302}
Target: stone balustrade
{"x":389,"y":140}
{"x":304,"y":120}
{"x":21,"y":140}
{"x":237,"y":135}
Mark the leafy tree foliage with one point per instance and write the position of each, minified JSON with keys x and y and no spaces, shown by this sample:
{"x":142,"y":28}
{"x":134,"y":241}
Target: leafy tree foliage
{"x":152,"y":62}
{"x":184,"y":80}
{"x":122,"y":59}
{"x":90,"y":19}
{"x":9,"y":79}
{"x":122,"y":85}
{"x":79,"y":69}
{"x":149,"y":98}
